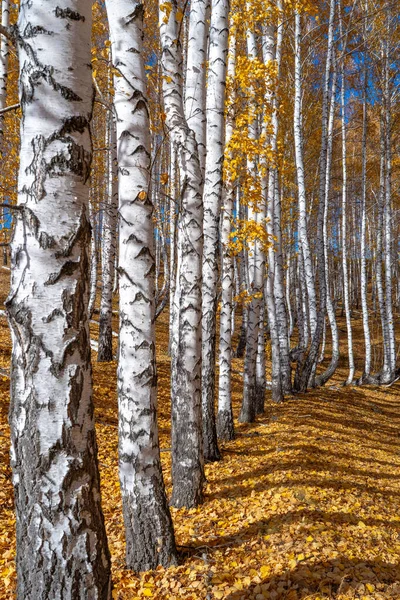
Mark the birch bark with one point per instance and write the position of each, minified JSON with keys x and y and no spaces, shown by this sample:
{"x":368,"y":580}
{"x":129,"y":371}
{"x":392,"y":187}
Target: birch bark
{"x":213,"y":186}
{"x":298,"y":141}
{"x":108,"y":243}
{"x":61,"y":541}
{"x":346,"y":294}
{"x":5,"y":21}
{"x":148,"y":526}
{"x":364,"y":277}
{"x":187,"y":451}
{"x":225,"y":426}
{"x":256,"y":271}
{"x":195,"y":83}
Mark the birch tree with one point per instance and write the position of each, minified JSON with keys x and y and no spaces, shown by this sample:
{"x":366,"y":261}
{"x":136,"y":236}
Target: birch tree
{"x":346,"y":295}
{"x":187,"y":450}
{"x":61,"y":541}
{"x":298,"y":142}
{"x":195,"y":83}
{"x":225,"y":425}
{"x":213,"y":186}
{"x":108,"y":247}
{"x":148,"y":526}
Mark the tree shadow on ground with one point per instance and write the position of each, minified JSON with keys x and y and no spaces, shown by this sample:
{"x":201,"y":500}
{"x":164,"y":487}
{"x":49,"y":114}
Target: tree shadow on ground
{"x":328,"y":579}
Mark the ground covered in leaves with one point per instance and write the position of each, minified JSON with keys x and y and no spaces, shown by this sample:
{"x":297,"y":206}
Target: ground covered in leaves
{"x":305,"y":503}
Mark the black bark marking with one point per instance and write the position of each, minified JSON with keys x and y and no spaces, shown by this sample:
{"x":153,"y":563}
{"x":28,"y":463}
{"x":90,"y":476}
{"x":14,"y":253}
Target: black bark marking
{"x":67,"y":13}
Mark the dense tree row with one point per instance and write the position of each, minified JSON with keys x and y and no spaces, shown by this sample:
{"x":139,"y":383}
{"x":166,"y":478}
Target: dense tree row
{"x":232,"y":163}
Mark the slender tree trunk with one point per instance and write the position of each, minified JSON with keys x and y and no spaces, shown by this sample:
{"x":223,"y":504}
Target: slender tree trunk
{"x":364,"y":277}
{"x":269,"y":195}
{"x":61,"y":540}
{"x":4,"y":51}
{"x":93,"y":258}
{"x":213,"y":186}
{"x":388,"y":214}
{"x":148,"y":526}
{"x":346,"y":295}
{"x":172,"y":244}
{"x":255,"y":270}
{"x":328,"y":373}
{"x":187,"y":451}
{"x":308,"y":369}
{"x":298,"y":141}
{"x":225,"y":426}
{"x":109,"y":230}
{"x":195,"y":84}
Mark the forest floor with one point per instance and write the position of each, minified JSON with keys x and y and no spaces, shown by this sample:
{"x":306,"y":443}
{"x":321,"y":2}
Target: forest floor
{"x":305,"y":503}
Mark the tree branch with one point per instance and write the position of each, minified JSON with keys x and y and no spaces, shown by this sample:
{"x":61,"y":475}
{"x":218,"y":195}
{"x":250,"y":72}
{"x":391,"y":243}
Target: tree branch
{"x":7,"y":33}
{"x":9,"y":108}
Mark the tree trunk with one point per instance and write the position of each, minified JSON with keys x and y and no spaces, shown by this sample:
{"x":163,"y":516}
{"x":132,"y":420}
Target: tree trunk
{"x":148,"y":526}
{"x":225,"y":426}
{"x":213,"y":186}
{"x":187,"y":451}
{"x":109,"y":230}
{"x":346,"y":295}
{"x":364,"y":277}
{"x":61,"y":540}
{"x":298,"y":141}
{"x":93,"y":258}
{"x":195,"y":84}
{"x":255,"y":270}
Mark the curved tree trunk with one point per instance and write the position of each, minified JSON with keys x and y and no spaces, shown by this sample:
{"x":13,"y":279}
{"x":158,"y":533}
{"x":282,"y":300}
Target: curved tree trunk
{"x":61,"y":540}
{"x":148,"y":526}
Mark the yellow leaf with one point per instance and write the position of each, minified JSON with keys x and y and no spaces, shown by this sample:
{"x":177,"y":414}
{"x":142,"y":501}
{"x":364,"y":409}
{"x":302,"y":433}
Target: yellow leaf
{"x":147,"y":592}
{"x":265,"y":571}
{"x":362,"y":525}
{"x":142,"y":195}
{"x":300,"y":556}
{"x":370,"y":587}
{"x":310,"y":538}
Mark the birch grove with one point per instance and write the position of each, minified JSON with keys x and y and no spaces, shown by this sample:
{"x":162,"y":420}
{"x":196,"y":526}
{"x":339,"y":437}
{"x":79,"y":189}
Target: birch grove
{"x":201,"y":204}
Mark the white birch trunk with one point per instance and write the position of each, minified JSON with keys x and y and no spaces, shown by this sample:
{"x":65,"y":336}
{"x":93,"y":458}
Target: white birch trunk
{"x":346,"y":294}
{"x":195,"y":84}
{"x":269,"y":193}
{"x":172,"y":244}
{"x":5,"y":21}
{"x":93,"y":258}
{"x":388,"y":215}
{"x":256,"y":271}
{"x":108,"y":243}
{"x":225,"y":426}
{"x":61,"y":541}
{"x":298,"y":142}
{"x":310,"y":363}
{"x":187,"y":451}
{"x":212,"y":195}
{"x":327,"y":374}
{"x":148,"y":526}
{"x":364,"y":277}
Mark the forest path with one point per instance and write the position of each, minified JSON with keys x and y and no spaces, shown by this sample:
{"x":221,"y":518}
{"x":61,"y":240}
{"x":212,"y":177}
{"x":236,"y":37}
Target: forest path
{"x":304,"y":505}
